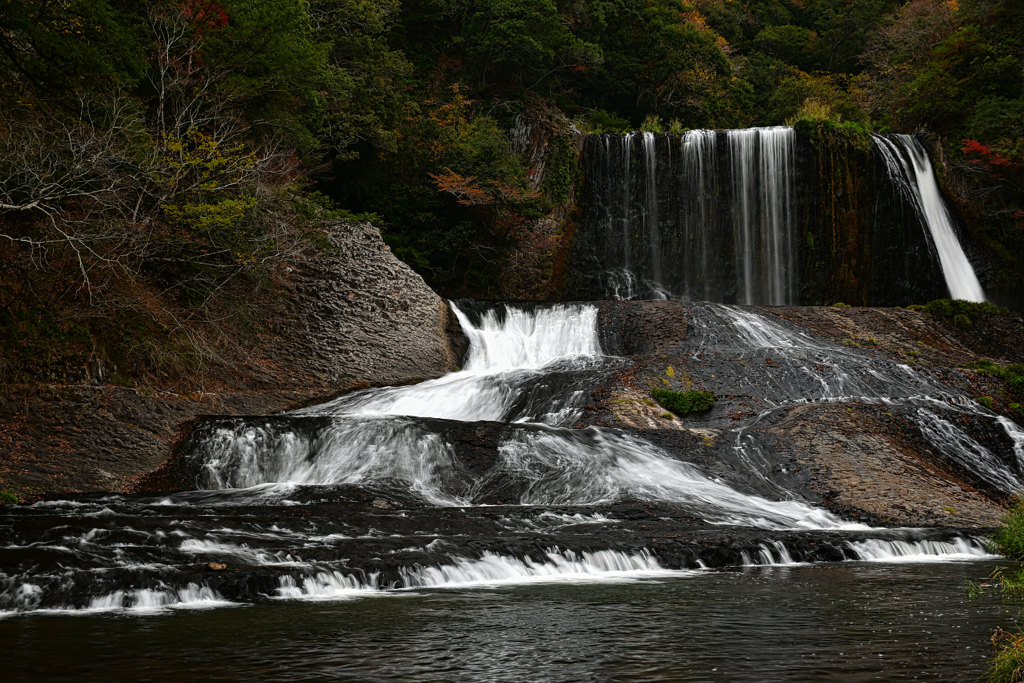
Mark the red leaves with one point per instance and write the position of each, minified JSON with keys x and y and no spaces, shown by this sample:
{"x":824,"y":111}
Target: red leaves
{"x":204,"y":16}
{"x":996,"y":163}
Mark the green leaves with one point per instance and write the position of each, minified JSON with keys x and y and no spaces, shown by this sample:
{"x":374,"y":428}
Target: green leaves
{"x":55,"y":46}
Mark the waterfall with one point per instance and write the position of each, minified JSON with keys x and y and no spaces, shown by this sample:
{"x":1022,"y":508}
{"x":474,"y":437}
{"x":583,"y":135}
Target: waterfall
{"x":523,"y":366}
{"x":742,"y":150}
{"x":759,"y":216}
{"x":508,"y":355}
{"x":910,"y":171}
{"x":479,"y":478}
{"x":698,"y":196}
{"x":651,"y":213}
{"x":763,"y":165}
{"x":710,"y":218}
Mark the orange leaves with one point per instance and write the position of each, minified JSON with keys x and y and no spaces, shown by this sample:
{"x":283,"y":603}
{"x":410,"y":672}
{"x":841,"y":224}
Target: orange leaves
{"x":470,"y":193}
{"x":696,"y":18}
{"x":463,"y":187}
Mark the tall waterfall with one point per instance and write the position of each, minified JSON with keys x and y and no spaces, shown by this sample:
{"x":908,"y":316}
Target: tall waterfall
{"x":909,"y":169}
{"x":706,"y":216}
{"x":763,"y":163}
{"x":763,"y":216}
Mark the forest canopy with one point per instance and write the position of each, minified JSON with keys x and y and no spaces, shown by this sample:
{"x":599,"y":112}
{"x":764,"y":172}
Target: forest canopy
{"x":186,"y":143}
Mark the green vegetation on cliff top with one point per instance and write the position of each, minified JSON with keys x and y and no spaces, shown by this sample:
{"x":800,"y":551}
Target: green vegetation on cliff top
{"x":189,"y":147}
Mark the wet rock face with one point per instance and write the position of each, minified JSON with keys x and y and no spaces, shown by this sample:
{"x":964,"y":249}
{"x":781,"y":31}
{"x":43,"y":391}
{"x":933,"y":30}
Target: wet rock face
{"x":642,"y":328}
{"x":823,"y":403}
{"x":361,"y":312}
{"x":865,"y":461}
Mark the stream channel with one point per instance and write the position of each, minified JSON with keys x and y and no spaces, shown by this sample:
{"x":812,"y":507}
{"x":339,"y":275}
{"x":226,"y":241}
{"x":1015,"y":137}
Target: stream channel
{"x":462,"y":529}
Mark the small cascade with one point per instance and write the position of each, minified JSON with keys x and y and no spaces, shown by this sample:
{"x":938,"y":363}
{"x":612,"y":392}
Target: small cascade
{"x":784,"y":366}
{"x":506,"y":376}
{"x":882,"y":550}
{"x":708,"y":216}
{"x":910,"y":173}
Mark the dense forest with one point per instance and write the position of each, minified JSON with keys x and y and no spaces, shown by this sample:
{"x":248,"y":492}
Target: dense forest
{"x":161,"y":159}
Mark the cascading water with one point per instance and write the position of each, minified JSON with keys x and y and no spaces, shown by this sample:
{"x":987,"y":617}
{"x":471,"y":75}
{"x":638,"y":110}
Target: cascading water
{"x":716,"y":216}
{"x":910,"y":171}
{"x":785,"y":367}
{"x":476,"y":478}
{"x":716,"y":219}
{"x":370,"y":440}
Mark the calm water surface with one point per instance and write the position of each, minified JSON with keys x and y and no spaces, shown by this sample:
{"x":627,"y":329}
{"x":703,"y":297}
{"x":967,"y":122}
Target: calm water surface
{"x":855,"y":622}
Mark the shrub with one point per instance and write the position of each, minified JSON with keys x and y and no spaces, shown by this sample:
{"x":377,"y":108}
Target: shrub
{"x":7,"y":498}
{"x":1008,"y":539}
{"x":684,"y":402}
{"x":1013,"y":375}
{"x":962,"y":313}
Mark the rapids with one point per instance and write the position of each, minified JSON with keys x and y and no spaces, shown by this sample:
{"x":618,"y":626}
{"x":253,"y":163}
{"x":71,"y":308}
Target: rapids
{"x":485,"y":476}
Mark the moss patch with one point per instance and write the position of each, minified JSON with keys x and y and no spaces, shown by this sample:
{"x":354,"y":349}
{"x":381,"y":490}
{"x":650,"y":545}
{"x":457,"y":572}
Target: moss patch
{"x":961,"y":313}
{"x":684,"y":402}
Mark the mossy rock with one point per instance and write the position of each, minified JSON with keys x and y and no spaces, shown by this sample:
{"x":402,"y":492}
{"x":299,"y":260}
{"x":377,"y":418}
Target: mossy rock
{"x":7,"y":498}
{"x":684,"y":402}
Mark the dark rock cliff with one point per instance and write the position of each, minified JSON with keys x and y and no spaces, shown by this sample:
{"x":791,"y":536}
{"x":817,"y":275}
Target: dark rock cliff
{"x":351,"y":316}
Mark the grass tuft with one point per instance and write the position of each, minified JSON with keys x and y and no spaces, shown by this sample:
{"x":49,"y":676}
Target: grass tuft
{"x":1007,"y":664}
